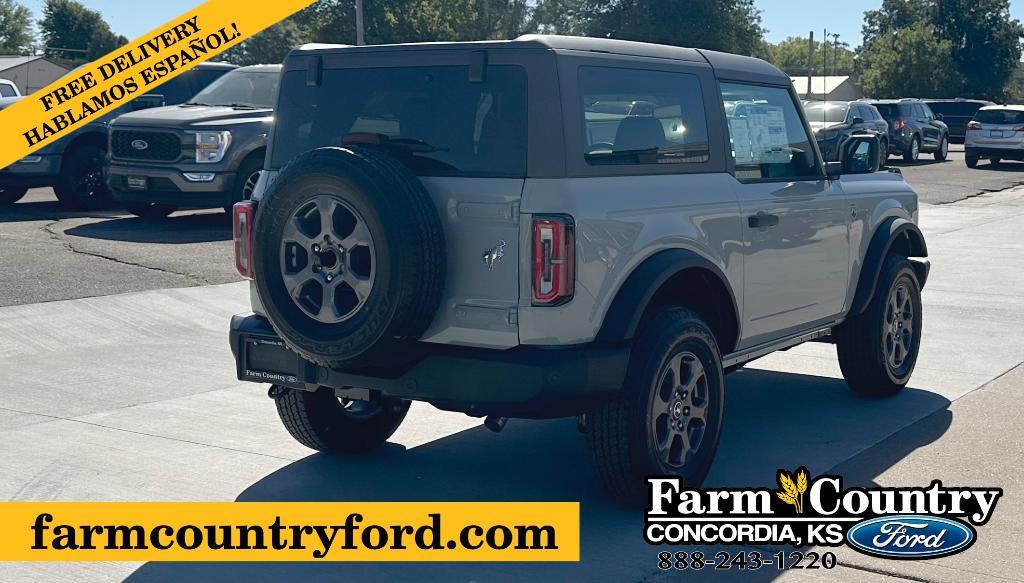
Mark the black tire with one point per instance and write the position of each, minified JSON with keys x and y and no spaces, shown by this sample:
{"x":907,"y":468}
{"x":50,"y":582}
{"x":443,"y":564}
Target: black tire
{"x":943,"y":152}
{"x":321,"y":421}
{"x":913,"y":152}
{"x":972,"y":161}
{"x":150,"y":210}
{"x":80,"y":185}
{"x":995,"y":161}
{"x":407,"y":239}
{"x":863,"y":341}
{"x":883,"y":154}
{"x":9,"y":195}
{"x":623,"y":431}
{"x":245,"y":179}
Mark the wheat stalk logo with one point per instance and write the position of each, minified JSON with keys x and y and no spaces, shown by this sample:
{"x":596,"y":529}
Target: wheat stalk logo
{"x":791,"y":491}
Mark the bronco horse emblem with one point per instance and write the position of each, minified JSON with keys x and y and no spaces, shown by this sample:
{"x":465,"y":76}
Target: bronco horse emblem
{"x":493,"y":255}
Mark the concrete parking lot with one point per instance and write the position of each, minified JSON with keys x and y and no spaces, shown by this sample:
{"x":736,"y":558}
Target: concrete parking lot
{"x":126,"y":391}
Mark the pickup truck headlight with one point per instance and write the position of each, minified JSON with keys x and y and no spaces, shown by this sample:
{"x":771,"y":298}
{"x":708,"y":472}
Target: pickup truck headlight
{"x":211,"y":146}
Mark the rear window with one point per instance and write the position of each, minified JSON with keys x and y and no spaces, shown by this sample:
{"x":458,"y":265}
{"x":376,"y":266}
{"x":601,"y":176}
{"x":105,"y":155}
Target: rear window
{"x":895,"y":110}
{"x":1000,"y":116}
{"x":955,"y":108}
{"x":446,"y":124}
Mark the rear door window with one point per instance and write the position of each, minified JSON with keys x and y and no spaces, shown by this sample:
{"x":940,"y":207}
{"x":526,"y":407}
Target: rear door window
{"x":769,"y":140}
{"x":435,"y":120}
{"x":635,"y":116}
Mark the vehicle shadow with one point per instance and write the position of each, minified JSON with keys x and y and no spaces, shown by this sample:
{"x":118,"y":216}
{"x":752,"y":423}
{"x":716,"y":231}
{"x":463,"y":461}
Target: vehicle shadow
{"x":924,"y":160}
{"x":1003,"y":166}
{"x":190,"y":228}
{"x":34,"y":210}
{"x":774,"y":420}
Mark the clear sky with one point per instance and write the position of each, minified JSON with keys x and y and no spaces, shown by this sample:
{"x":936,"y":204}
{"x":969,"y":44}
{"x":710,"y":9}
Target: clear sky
{"x":782,"y":18}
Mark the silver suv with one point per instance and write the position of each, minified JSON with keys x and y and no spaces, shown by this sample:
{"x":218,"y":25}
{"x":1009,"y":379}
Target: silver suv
{"x":557,"y":226}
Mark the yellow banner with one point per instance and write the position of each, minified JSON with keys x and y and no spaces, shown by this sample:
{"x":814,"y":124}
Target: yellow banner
{"x":289,"y":531}
{"x":93,"y":90}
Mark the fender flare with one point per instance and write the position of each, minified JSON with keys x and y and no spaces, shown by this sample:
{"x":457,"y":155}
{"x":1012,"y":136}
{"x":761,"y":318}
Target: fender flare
{"x":627,"y":309}
{"x":893,"y":231}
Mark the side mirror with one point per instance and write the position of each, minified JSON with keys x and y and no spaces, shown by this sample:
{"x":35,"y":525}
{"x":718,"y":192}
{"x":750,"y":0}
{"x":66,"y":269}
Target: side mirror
{"x":939,"y":116}
{"x":857,"y":121}
{"x":860,"y":154}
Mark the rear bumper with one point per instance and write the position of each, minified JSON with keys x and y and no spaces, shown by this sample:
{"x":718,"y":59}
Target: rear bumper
{"x":525,"y":382}
{"x":984,"y":152}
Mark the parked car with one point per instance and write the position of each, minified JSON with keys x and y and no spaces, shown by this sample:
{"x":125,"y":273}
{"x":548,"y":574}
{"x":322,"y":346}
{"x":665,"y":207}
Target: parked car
{"x":834,"y":122}
{"x":73,"y":165}
{"x":996,"y":133}
{"x":956,"y":113}
{"x":913,"y":128}
{"x":205,"y":153}
{"x":477,"y":226}
{"x":9,"y":89}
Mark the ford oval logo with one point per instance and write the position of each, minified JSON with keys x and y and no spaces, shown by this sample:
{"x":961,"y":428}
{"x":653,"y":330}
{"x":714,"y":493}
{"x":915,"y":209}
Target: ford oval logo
{"x":140,"y":144}
{"x":910,"y":536}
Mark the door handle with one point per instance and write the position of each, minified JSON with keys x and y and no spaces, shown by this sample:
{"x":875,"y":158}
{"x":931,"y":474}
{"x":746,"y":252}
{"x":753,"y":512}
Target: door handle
{"x":762,"y":221}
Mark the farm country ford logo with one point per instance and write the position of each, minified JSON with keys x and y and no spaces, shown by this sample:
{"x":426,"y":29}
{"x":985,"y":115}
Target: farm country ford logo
{"x":895,"y":523}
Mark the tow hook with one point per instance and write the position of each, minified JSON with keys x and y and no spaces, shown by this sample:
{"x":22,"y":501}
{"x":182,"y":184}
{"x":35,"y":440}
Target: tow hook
{"x":495,"y":423}
{"x":276,"y":391}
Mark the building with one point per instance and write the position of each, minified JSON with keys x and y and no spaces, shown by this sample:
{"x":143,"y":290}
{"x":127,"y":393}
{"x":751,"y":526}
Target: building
{"x":30,"y":73}
{"x":831,"y":88}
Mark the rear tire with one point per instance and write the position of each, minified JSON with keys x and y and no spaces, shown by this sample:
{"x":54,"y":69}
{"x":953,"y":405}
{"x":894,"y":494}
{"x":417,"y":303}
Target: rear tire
{"x":914,"y":151}
{"x":972,"y":161}
{"x":10,"y":195}
{"x":80,"y":185}
{"x":321,"y":421}
{"x":150,"y":210}
{"x":943,"y":152}
{"x":878,"y":348}
{"x":667,"y":418}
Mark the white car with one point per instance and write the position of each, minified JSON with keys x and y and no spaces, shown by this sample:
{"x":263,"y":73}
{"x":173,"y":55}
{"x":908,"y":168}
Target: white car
{"x":8,"y":89}
{"x":996,"y":133}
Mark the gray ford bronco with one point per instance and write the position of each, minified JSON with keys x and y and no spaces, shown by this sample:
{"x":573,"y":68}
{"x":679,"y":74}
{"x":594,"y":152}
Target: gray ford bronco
{"x":556,"y":226}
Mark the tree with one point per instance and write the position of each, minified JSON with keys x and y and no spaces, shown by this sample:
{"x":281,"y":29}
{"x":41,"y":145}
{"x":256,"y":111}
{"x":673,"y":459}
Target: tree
{"x":269,"y":45}
{"x":15,"y":27}
{"x":725,"y":25}
{"x":74,"y":33}
{"x":908,"y":62}
{"x":985,"y":42}
{"x":790,"y":55}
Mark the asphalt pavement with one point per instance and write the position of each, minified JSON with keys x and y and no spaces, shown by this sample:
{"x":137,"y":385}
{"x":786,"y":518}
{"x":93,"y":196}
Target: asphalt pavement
{"x":132,"y":396}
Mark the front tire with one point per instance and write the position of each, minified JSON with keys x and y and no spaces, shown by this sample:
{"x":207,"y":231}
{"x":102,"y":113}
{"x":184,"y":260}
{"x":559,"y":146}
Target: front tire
{"x":667,"y":418}
{"x":10,"y":195}
{"x":321,"y":421}
{"x":878,"y":348}
{"x":80,"y":185}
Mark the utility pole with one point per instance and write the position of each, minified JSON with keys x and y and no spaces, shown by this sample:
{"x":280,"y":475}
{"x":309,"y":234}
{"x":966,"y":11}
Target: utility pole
{"x":824,"y":66}
{"x":810,"y":64}
{"x":360,"y":39}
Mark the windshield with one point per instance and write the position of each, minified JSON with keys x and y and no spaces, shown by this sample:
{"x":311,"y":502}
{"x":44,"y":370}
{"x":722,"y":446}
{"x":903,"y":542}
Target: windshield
{"x":436,"y":120}
{"x":1000,"y":116}
{"x":241,"y":88}
{"x":828,"y":111}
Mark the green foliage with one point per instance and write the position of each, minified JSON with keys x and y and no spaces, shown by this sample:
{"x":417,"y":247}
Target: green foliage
{"x":908,"y":62}
{"x":68,"y":25}
{"x":984,"y":44}
{"x":15,"y":28}
{"x":269,"y":45}
{"x":790,"y":55}
{"x":724,"y":25}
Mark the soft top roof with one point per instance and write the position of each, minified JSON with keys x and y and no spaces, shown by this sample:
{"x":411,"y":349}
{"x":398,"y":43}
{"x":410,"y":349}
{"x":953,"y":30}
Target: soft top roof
{"x":726,"y":65}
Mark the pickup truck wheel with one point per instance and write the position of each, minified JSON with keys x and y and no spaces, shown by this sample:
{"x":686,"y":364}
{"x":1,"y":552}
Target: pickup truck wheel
{"x":10,"y":195}
{"x":80,"y":185}
{"x":667,"y":418}
{"x":321,"y":421}
{"x":150,"y":210}
{"x":972,"y":161}
{"x":349,"y":257}
{"x":878,"y":349}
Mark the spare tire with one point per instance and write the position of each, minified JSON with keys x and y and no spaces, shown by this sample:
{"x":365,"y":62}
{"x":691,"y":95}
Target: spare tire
{"x":349,"y":257}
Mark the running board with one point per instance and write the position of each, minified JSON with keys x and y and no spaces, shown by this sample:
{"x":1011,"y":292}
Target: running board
{"x":756,"y":352}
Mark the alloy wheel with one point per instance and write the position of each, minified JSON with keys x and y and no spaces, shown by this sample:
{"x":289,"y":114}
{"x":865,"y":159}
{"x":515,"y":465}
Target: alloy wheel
{"x":898,"y":327}
{"x":679,"y":410}
{"x":328,"y":260}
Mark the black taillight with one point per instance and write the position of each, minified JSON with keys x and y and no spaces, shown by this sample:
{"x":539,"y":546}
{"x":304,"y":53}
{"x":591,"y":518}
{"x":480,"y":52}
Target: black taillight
{"x":243,"y":218}
{"x":553,"y":260}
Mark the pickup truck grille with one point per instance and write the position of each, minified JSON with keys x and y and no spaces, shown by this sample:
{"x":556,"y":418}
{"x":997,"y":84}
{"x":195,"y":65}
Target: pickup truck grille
{"x":162,"y":146}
